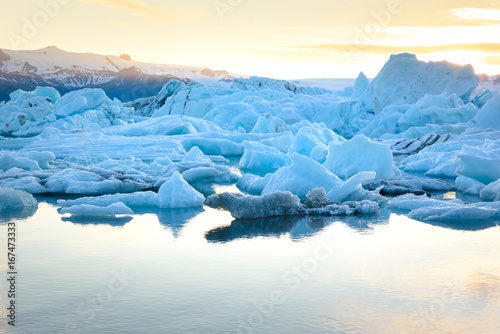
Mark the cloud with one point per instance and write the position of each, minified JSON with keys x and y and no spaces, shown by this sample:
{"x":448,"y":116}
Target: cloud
{"x":492,"y":60}
{"x":477,"y":14}
{"x":325,"y":49}
{"x":135,"y":7}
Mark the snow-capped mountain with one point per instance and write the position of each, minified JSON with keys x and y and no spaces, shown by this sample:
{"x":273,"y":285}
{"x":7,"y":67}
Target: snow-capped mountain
{"x":120,"y":77}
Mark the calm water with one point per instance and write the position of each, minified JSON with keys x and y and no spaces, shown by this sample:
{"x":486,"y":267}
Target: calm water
{"x":186,"y":271}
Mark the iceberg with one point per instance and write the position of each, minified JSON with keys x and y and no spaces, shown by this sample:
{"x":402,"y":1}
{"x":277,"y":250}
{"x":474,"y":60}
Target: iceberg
{"x":488,"y":116}
{"x":15,"y":200}
{"x":269,"y":124}
{"x":491,"y":192}
{"x":133,"y":200}
{"x":440,"y":109}
{"x":78,"y":101}
{"x":313,"y":137}
{"x":303,"y":175}
{"x":405,"y":80}
{"x":426,"y":209}
{"x":351,"y":190}
{"x":96,"y":211}
{"x":457,"y":212}
{"x":346,"y":159}
{"x":283,"y":203}
{"x":260,"y":156}
{"x":407,"y":184}
{"x":177,"y":193}
{"x":482,"y":164}
{"x":469,"y":186}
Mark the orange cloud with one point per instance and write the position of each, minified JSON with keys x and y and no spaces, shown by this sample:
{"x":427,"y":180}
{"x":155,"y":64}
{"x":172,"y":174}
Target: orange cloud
{"x":492,"y":60}
{"x":322,"y":49}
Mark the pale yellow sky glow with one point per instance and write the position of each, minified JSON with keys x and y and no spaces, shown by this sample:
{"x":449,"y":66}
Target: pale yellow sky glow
{"x":276,"y":38}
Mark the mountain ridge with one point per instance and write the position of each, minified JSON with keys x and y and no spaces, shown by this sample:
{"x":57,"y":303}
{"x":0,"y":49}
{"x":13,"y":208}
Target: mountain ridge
{"x":121,"y":77}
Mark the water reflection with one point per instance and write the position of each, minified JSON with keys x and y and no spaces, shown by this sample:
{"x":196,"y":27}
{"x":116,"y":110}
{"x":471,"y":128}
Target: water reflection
{"x":251,"y":228}
{"x":20,"y":213}
{"x":298,"y":227}
{"x":466,"y":225}
{"x":112,"y":221}
{"x":174,"y":219}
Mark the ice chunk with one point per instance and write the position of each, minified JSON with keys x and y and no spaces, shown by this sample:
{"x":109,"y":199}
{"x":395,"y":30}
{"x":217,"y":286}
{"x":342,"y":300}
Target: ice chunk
{"x":281,"y":203}
{"x":64,"y":144}
{"x":72,"y":181}
{"x":404,"y":80}
{"x":253,"y":184}
{"x":360,"y":154}
{"x":269,"y":124}
{"x":26,"y":183}
{"x":31,"y":161}
{"x":259,"y":156}
{"x":88,"y":210}
{"x":311,"y":137}
{"x":168,"y":125}
{"x":317,"y":198}
{"x":488,"y":117}
{"x":479,"y":164}
{"x":440,"y":109}
{"x":258,"y":83}
{"x":351,"y":190}
{"x":11,"y":199}
{"x":165,"y":161}
{"x":457,"y":211}
{"x":246,"y":120}
{"x":8,"y":161}
{"x":364,"y":207}
{"x":407,"y":184}
{"x":196,"y":155}
{"x":386,"y":121}
{"x":43,"y":158}
{"x":177,"y":193}
{"x":217,"y":174}
{"x":78,"y":101}
{"x":303,"y":175}
{"x":137,"y":199}
{"x":468,"y":186}
{"x":491,"y":192}
{"x":411,"y":202}
{"x":360,"y":85}
{"x":19,"y":96}
{"x":481,"y":99}
{"x":437,"y":159}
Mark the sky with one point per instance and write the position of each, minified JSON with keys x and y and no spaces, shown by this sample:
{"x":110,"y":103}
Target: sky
{"x":286,"y":39}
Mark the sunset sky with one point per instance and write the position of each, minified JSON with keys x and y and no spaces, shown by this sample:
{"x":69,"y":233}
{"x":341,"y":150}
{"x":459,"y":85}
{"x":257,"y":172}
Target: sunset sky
{"x":276,"y":38}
